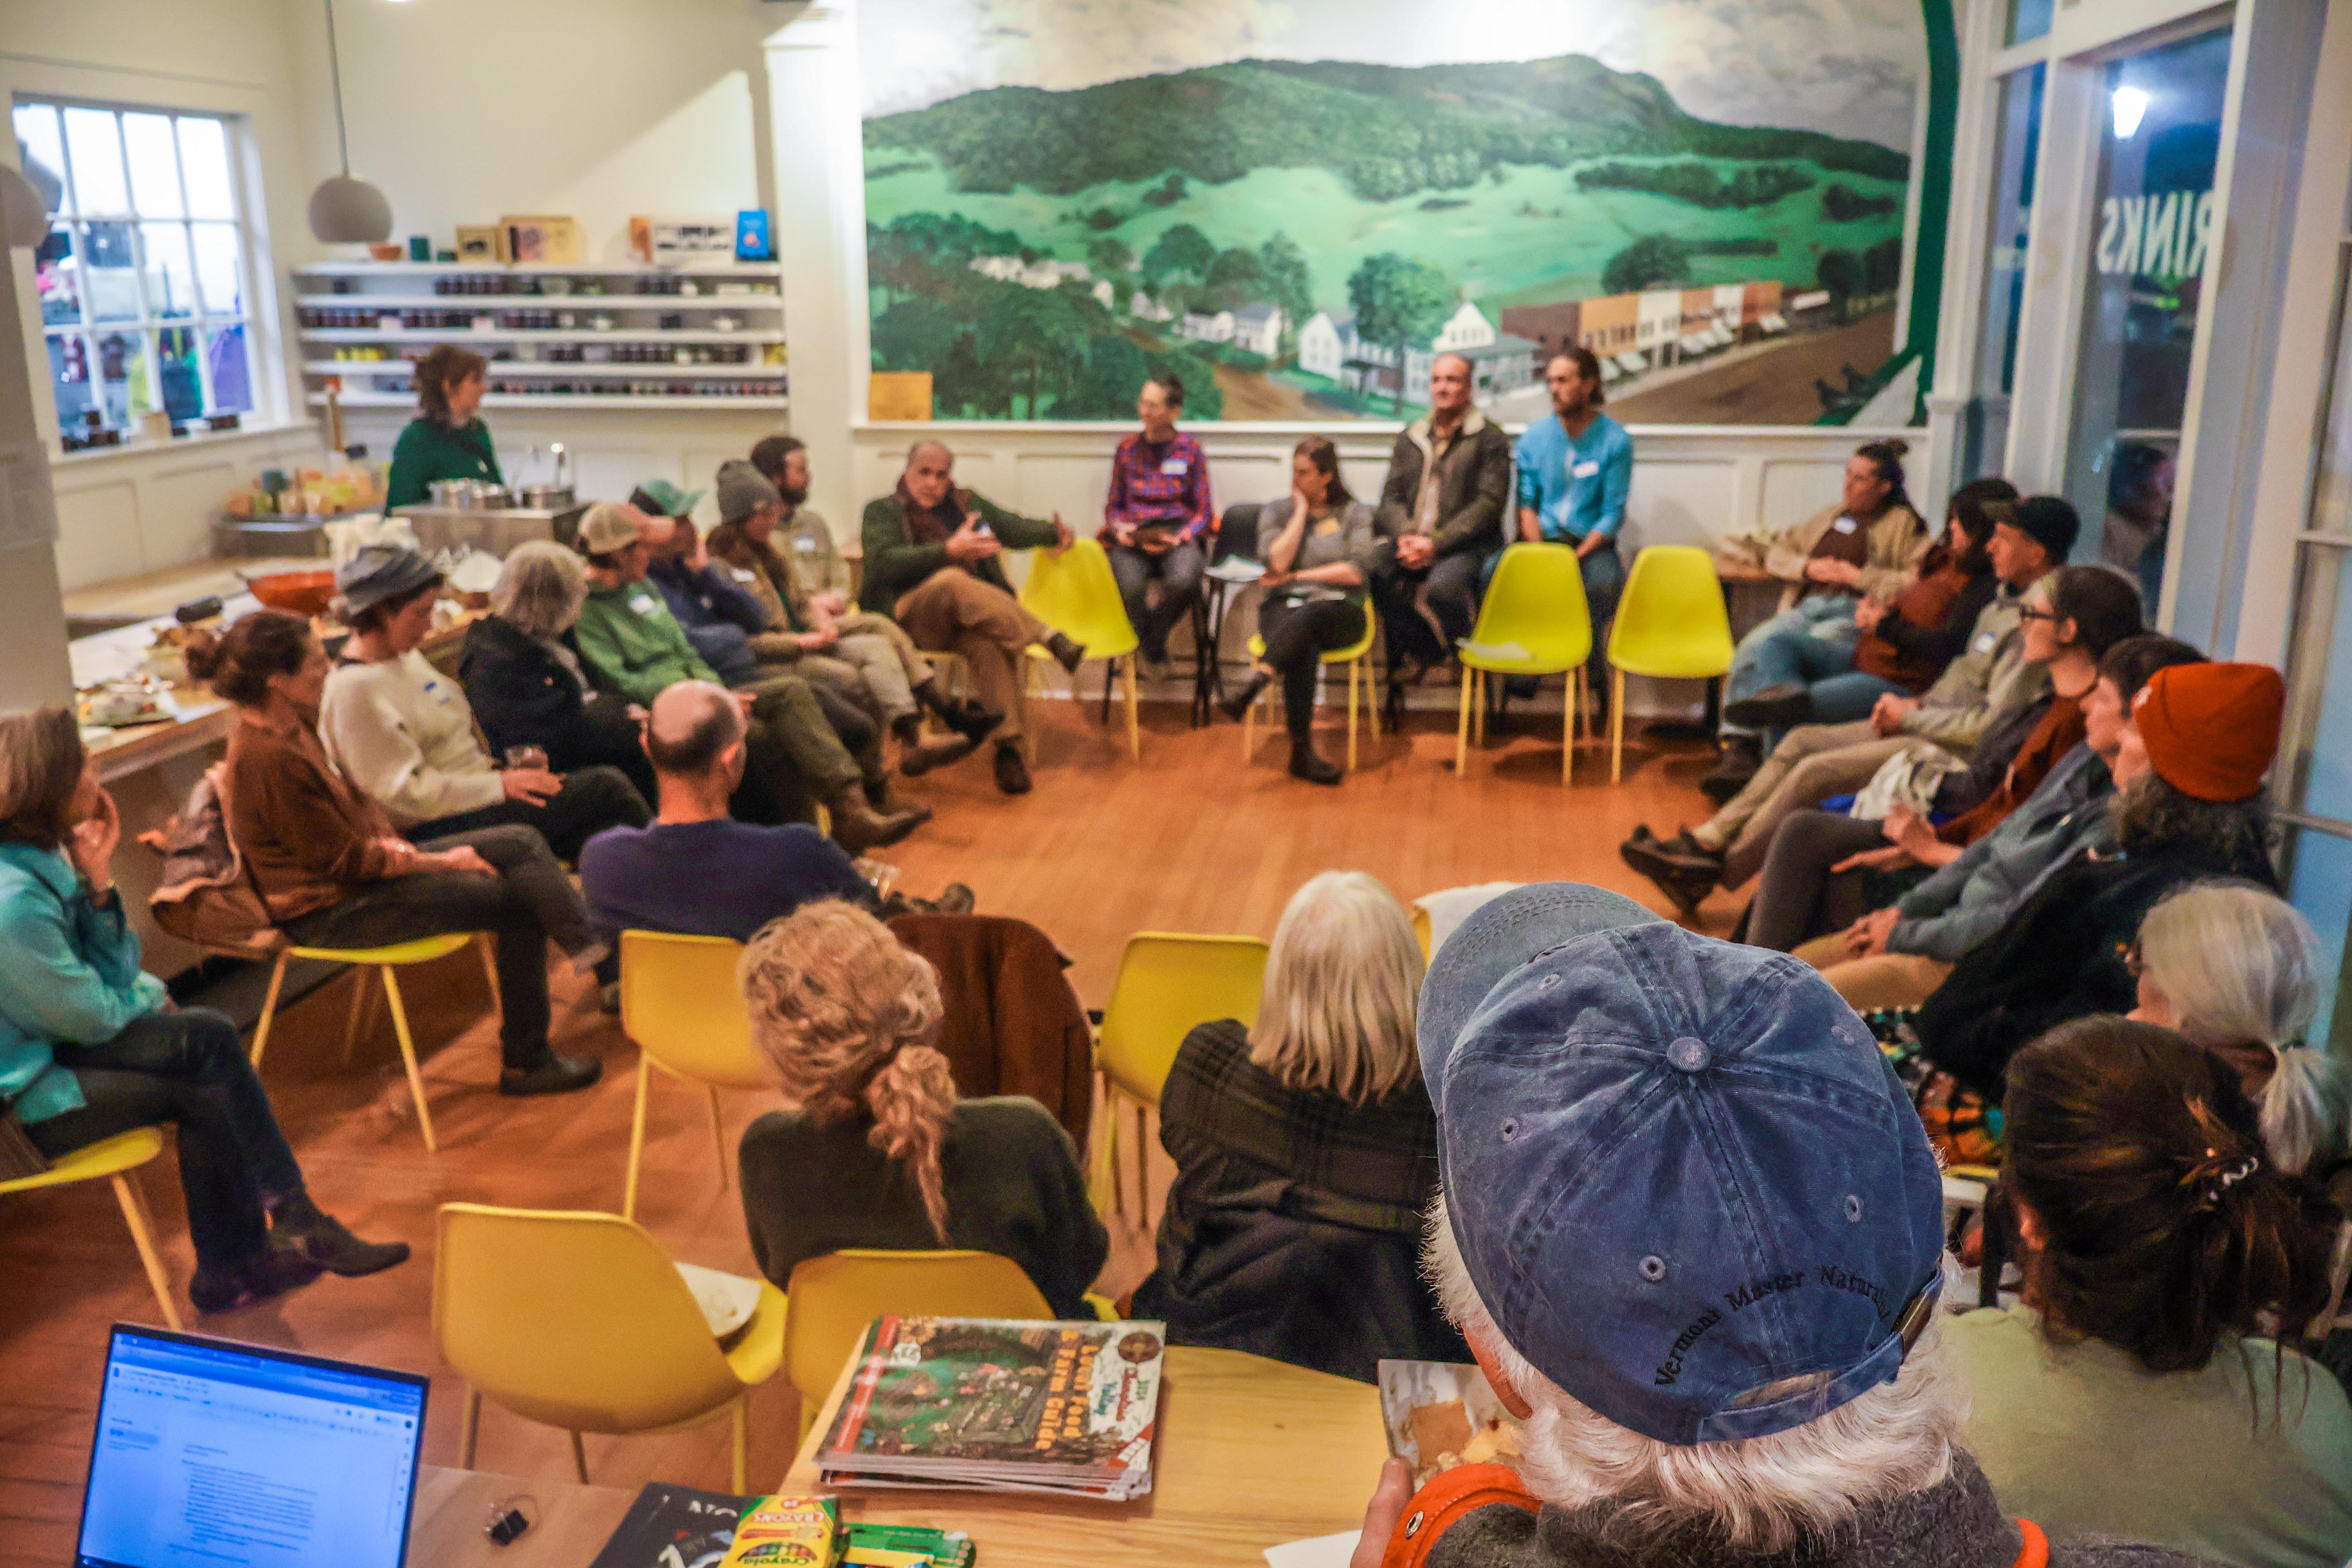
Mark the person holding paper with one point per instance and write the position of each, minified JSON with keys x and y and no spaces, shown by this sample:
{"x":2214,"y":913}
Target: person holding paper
{"x":1156,"y":515}
{"x":1575,"y":471}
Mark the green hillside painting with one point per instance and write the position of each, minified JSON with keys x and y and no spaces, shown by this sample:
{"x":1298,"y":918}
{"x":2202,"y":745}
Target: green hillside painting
{"x":1040,"y":252}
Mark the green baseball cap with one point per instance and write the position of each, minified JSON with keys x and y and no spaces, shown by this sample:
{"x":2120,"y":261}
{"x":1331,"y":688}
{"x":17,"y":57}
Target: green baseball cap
{"x":659,"y":497}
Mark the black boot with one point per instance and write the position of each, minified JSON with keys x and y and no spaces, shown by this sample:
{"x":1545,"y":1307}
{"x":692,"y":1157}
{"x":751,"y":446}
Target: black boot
{"x":554,"y":1074}
{"x":917,"y":756}
{"x":1306,"y":764}
{"x":1235,"y":704}
{"x":967,"y":719}
{"x":1011,"y":772}
{"x":272,"y":1271}
{"x":318,"y":1235}
{"x":1742,"y":755}
{"x":1067,"y":654}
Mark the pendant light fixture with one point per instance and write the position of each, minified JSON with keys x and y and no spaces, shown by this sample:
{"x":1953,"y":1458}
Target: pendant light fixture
{"x":343,"y":210}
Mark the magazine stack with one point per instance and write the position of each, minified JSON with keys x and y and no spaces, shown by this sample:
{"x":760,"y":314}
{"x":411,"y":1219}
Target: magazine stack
{"x":995,"y":1405}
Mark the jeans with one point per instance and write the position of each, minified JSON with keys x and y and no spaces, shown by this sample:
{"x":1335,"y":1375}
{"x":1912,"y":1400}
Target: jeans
{"x":1816,"y":654}
{"x":187,"y":1069}
{"x":591,"y":800}
{"x":1604,"y":581}
{"x":1451,"y":594}
{"x":1179,"y":570}
{"x":528,"y":902}
{"x":1297,"y":634}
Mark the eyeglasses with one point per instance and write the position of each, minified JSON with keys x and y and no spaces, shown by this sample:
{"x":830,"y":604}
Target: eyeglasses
{"x":2034,"y":613}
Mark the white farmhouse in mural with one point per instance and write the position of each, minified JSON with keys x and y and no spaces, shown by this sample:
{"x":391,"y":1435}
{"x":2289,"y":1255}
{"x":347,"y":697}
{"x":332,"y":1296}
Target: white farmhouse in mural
{"x":1045,"y":275}
{"x":1464,"y":330}
{"x":1327,"y":342}
{"x":1144,"y":308}
{"x":1216,"y":328}
{"x":1257,"y":327}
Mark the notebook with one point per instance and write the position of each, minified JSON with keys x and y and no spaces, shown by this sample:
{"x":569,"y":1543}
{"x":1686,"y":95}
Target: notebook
{"x":213,"y":1452}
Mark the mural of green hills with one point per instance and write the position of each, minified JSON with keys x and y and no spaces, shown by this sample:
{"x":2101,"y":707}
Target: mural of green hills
{"x":1387,"y":130}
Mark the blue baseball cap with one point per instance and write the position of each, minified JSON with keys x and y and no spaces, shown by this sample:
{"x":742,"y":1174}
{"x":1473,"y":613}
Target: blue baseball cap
{"x":1679,"y":1169}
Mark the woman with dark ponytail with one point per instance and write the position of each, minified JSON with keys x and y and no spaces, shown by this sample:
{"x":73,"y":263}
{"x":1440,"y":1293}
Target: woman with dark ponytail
{"x":2142,"y":1389}
{"x":876,"y":1149}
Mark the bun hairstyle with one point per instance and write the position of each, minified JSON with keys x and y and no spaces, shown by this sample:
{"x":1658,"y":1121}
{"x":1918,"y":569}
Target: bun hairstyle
{"x":238,"y":663}
{"x":1886,"y":456}
{"x":844,"y":1014}
{"x":2166,"y":1224}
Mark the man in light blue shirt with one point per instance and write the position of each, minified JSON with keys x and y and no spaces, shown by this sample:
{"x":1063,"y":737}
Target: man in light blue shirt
{"x":1575,"y":471}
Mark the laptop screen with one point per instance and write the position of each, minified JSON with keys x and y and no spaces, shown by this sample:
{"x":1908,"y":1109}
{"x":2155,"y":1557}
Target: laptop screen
{"x":225,"y":1454}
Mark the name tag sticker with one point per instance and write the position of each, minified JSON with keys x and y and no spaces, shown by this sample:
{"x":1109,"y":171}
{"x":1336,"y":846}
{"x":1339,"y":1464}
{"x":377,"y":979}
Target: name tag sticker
{"x":741,"y":575}
{"x":1326,"y":528}
{"x":1174,"y":467}
{"x":1984,"y":643}
{"x":1845,"y":525}
{"x":1584,"y":471}
{"x":643,"y":604}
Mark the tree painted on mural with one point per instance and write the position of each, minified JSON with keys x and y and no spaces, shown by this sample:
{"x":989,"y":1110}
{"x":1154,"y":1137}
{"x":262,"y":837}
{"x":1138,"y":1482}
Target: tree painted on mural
{"x":1399,"y":304}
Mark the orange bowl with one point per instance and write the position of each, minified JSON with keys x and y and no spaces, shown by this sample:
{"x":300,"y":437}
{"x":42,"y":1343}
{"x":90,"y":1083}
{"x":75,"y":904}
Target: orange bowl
{"x":296,"y":593}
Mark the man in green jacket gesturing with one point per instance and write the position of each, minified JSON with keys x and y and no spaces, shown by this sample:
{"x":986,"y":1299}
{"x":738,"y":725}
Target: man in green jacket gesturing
{"x":931,"y":566}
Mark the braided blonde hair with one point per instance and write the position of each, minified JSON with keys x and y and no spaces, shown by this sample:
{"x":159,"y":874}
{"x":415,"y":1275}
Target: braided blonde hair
{"x":846,"y":1015}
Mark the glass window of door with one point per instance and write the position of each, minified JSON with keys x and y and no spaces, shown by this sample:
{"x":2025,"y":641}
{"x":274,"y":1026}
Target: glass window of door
{"x":2016,"y":151}
{"x":2160,"y":134}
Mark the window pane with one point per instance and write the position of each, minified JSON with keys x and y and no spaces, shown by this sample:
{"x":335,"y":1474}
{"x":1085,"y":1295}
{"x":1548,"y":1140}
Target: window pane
{"x":122,"y":377}
{"x":217,"y":272}
{"x":99,"y":183}
{"x":2160,"y":133}
{"x":154,"y":165}
{"x":2319,"y":883}
{"x":70,"y":362}
{"x":204,"y":160}
{"x":171,"y":277}
{"x":231,"y":368}
{"x":184,"y":384}
{"x":2018,"y":130}
{"x":59,"y":276}
{"x":2027,"y":20}
{"x":110,"y":259}
{"x":43,"y":145}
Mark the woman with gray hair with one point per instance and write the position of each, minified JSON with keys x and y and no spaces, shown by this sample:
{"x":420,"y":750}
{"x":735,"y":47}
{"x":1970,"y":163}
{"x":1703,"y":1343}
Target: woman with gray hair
{"x":1306,"y":1148}
{"x":2236,"y":968}
{"x":523,"y":675}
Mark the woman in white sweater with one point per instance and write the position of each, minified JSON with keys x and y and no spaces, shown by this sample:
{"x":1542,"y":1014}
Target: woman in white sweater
{"x":402,"y":731}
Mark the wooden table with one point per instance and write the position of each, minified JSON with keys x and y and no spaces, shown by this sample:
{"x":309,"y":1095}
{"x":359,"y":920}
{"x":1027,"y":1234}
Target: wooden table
{"x":570,"y":1522}
{"x":1251,"y":1453}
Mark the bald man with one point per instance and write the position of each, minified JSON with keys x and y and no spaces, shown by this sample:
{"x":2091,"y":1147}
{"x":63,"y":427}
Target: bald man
{"x":695,"y":870}
{"x":931,"y":566}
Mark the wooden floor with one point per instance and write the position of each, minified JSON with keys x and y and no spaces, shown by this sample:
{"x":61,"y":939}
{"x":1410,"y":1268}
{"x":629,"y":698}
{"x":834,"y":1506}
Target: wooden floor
{"x":1189,"y":841}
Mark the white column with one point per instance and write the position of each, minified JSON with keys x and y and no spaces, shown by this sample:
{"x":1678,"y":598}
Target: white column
{"x":820,"y":224}
{"x":34,"y":671}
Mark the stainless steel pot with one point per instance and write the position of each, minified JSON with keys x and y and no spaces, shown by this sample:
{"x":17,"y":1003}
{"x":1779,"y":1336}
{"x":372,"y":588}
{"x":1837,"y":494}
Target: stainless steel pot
{"x":544,"y":498}
{"x":469,"y":495}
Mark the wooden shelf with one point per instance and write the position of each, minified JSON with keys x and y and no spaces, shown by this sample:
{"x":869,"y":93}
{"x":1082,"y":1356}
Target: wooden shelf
{"x":578,"y":335}
{"x":769,"y":301}
{"x":534,"y":269}
{"x":576,"y":400}
{"x":534,"y":369}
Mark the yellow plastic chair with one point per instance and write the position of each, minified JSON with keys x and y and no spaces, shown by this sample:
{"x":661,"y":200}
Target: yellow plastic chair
{"x":384,"y":961}
{"x":836,"y":1295}
{"x":581,"y":1320}
{"x":1357,"y":657}
{"x":1422,"y":930}
{"x":1074,"y":592}
{"x":1671,"y":625}
{"x":115,"y":1158}
{"x":1168,"y":982}
{"x":1536,"y":602}
{"x":680,"y":1002}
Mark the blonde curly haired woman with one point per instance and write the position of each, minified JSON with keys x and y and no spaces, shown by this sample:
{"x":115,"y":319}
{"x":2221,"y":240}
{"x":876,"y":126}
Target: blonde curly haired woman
{"x":876,"y":1149}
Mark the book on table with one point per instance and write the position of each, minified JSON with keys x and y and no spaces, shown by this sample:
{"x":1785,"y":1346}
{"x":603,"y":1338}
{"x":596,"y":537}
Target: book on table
{"x":995,"y":1405}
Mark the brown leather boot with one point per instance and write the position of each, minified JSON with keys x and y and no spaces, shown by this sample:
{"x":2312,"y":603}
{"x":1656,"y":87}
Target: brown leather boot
{"x":857,"y":826}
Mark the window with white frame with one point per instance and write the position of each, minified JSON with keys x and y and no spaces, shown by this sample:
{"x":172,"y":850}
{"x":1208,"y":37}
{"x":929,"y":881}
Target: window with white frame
{"x":145,"y":278}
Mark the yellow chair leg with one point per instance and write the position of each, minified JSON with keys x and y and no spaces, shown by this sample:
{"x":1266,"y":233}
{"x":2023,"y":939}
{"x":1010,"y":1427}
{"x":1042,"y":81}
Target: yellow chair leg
{"x":408,"y":1058}
{"x":636,"y":1137}
{"x":1461,"y":730}
{"x":1583,"y":713}
{"x":1134,"y":716}
{"x":1354,"y":664}
{"x":718,"y":1135}
{"x":578,"y":1459}
{"x":484,"y":945}
{"x":742,"y":1474}
{"x":1478,"y":715}
{"x":1371,"y":701}
{"x":469,"y":1428}
{"x":143,"y":1237}
{"x":361,"y":1015}
{"x":1616,"y":725}
{"x":269,"y":1008}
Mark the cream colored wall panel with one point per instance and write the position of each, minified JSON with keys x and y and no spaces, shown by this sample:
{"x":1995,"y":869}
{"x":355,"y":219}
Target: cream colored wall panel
{"x":176,"y":508}
{"x":1677,"y":502}
{"x":1793,"y":490}
{"x":98,"y":533}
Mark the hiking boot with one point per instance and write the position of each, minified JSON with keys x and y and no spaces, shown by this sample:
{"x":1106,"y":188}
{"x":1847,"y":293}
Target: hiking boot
{"x":918,"y":757}
{"x":1011,"y":772}
{"x":1686,"y":879}
{"x":972,"y":721}
{"x":1235,"y":704}
{"x":301,"y":1223}
{"x":1781,"y":707}
{"x":554,"y":1074}
{"x":1742,"y":755}
{"x":857,"y":826}
{"x":272,"y":1271}
{"x":1305,"y":763}
{"x":1067,"y":654}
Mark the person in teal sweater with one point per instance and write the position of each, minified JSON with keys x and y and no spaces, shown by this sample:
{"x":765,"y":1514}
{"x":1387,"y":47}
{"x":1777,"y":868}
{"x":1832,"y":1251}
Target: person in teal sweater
{"x":447,"y":439}
{"x":636,"y":647}
{"x":1576,"y":470}
{"x":91,"y":1046}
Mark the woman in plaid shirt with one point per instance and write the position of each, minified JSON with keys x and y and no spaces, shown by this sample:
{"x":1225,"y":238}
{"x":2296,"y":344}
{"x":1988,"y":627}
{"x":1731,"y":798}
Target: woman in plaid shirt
{"x":1155,"y":522}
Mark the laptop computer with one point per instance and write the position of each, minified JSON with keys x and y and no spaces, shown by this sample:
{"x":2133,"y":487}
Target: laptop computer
{"x":213,"y":1452}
